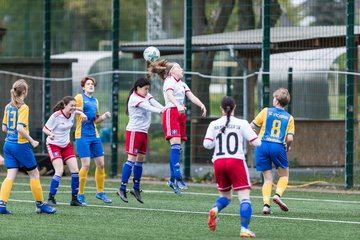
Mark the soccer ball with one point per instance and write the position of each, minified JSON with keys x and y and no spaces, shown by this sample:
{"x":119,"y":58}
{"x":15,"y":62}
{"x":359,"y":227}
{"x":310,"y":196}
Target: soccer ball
{"x":151,"y":54}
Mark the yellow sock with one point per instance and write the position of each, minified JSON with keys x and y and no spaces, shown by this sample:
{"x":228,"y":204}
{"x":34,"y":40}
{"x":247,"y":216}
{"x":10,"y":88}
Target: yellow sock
{"x":36,"y":189}
{"x":281,"y":185}
{"x":266,"y":193}
{"x":82,"y":178}
{"x":100,"y":179}
{"x":6,"y":189}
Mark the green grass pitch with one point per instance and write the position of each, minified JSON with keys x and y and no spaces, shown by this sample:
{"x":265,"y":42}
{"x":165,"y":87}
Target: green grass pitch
{"x":164,"y":215}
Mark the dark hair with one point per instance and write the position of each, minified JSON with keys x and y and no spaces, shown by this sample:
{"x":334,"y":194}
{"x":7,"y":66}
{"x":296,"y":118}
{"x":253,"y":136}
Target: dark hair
{"x":62,"y":103}
{"x":228,"y":105}
{"x":83,"y":81}
{"x":140,"y":82}
{"x":161,"y":68}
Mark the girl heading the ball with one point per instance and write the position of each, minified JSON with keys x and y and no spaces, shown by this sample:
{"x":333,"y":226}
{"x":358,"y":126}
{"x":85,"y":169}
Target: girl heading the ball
{"x":174,"y":118}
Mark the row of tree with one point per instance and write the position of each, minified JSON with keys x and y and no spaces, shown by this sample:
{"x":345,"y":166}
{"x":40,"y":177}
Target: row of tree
{"x":83,"y":25}
{"x":80,"y":25}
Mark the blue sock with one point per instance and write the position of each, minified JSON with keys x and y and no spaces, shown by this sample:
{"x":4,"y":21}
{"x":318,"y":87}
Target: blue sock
{"x":221,"y":203}
{"x":75,"y":183}
{"x":126,"y":173}
{"x":175,"y":162}
{"x":54,"y":185}
{"x":171,"y":173}
{"x":245,"y":212}
{"x":138,"y":168}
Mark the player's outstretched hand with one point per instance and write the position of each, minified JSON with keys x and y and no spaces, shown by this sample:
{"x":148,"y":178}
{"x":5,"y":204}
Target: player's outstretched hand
{"x":203,"y":111}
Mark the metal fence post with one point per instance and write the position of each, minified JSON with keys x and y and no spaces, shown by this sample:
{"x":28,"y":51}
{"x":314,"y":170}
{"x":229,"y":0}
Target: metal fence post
{"x":46,"y":67}
{"x":290,"y":87}
{"x":115,"y":86}
{"x":265,"y":53}
{"x":349,"y":121}
{"x":187,"y":67}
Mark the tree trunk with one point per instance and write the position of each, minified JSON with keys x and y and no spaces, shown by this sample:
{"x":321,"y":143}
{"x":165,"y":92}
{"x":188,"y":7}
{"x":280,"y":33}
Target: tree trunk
{"x":246,"y":21}
{"x":275,"y":13}
{"x":203,"y":62}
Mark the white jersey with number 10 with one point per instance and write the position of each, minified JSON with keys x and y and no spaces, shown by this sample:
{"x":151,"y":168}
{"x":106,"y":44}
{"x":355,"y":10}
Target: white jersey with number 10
{"x":230,"y":143}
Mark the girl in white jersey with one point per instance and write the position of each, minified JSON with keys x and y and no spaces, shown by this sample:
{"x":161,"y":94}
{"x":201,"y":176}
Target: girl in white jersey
{"x":59,"y":148}
{"x":140,"y":105}
{"x":225,"y":135}
{"x":174,"y":117}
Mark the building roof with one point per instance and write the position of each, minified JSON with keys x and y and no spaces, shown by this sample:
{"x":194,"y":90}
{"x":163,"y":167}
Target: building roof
{"x":283,"y":39}
{"x":310,"y":60}
{"x":84,"y":61}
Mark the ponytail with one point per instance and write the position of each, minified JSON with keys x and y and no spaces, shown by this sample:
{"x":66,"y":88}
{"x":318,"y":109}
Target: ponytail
{"x":17,"y":91}
{"x":228,"y":105}
{"x":161,"y":68}
{"x":60,"y":105}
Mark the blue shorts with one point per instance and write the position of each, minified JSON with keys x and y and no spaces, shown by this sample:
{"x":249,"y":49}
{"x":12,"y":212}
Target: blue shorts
{"x":269,"y":153}
{"x":89,"y":147}
{"x":19,"y":156}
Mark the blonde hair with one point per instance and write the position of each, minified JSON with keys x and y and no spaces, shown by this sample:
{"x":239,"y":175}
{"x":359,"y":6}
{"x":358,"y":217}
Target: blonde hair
{"x":161,"y":68}
{"x":17,"y":91}
{"x":283,"y":96}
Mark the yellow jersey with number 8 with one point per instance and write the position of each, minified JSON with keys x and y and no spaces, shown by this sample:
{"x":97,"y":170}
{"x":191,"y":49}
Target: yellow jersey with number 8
{"x":275,"y":124}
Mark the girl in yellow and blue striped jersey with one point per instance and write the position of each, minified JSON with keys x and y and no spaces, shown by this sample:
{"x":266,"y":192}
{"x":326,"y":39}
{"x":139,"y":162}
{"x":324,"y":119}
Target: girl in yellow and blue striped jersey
{"x":88,"y":143}
{"x":17,"y":149}
{"x":277,"y":129}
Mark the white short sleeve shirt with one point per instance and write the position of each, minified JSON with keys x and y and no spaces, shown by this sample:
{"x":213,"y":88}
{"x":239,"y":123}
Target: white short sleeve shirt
{"x":179,"y":89}
{"x":60,"y":126}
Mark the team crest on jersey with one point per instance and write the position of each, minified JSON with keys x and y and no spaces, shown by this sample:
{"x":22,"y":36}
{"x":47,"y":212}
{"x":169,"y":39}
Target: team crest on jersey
{"x":174,"y":131}
{"x":56,"y":154}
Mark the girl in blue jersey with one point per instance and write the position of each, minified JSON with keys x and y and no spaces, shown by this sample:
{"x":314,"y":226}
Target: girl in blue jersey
{"x":17,"y":149}
{"x":88,"y":143}
{"x":277,"y":131}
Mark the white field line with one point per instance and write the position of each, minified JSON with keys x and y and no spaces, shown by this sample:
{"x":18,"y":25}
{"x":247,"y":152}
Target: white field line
{"x":202,"y":213}
{"x":189,"y":193}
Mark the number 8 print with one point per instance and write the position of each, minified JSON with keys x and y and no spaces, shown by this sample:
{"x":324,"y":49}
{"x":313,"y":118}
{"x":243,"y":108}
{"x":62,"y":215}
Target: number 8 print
{"x":275,"y":129}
